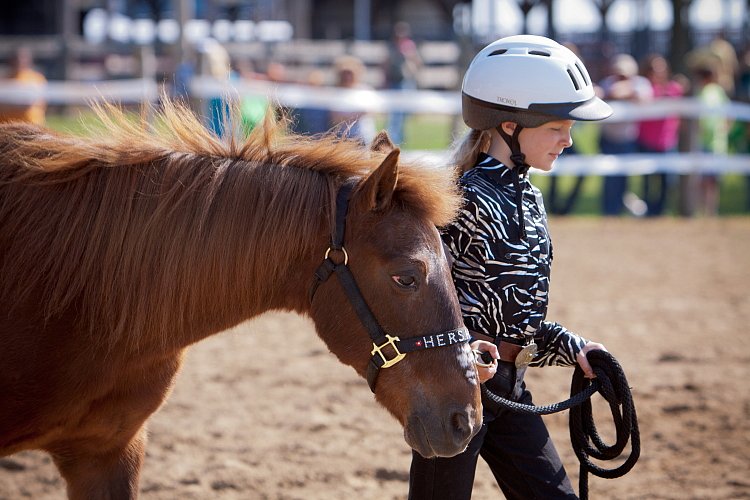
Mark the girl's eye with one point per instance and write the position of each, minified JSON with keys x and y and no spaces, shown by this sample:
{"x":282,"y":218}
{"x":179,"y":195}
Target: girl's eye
{"x":404,"y":281}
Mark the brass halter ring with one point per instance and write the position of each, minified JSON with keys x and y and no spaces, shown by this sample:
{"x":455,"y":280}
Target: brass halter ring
{"x":346,"y":255}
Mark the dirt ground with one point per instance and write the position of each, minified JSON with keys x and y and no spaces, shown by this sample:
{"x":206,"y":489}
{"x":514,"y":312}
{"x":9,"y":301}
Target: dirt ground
{"x":265,"y":412}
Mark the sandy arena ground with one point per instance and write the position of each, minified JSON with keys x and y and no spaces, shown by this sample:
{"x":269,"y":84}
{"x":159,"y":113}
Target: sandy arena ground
{"x":265,"y":412}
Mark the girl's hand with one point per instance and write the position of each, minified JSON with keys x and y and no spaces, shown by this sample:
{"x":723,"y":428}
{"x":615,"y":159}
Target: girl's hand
{"x":485,"y":372}
{"x":583,"y":362}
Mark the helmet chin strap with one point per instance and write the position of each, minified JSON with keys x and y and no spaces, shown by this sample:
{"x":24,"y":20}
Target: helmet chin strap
{"x":520,"y":168}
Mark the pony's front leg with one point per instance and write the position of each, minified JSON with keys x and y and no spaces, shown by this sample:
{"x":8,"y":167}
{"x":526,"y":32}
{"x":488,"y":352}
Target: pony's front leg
{"x":105,"y":475}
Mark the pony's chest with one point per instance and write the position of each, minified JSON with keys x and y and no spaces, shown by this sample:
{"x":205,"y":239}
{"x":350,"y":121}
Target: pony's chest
{"x":78,"y":396}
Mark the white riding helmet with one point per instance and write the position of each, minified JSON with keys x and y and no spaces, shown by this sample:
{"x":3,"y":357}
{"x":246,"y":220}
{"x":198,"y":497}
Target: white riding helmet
{"x":529,"y":80}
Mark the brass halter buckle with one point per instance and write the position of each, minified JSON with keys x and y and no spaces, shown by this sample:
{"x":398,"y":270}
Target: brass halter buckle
{"x":387,"y":363}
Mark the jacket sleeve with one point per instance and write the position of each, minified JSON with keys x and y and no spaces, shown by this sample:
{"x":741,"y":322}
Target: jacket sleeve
{"x":556,"y":345}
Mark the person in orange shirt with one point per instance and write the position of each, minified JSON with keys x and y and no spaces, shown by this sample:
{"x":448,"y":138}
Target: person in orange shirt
{"x":23,"y":73}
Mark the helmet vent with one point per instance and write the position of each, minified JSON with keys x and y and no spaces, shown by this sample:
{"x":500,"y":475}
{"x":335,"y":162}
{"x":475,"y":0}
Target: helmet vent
{"x":498,"y":52}
{"x":573,"y":79}
{"x":583,"y":73}
{"x":539,"y":53}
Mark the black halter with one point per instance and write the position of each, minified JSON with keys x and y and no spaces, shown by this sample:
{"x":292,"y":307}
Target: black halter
{"x":380,"y":339}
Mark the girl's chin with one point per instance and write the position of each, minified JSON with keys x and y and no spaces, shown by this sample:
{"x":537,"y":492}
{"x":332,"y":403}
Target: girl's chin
{"x":544,"y":168}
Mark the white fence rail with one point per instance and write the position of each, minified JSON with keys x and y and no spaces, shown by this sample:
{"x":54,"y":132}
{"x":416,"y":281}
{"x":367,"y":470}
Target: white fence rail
{"x":626,"y":164}
{"x":440,"y":102}
{"x":417,"y":101}
{"x":131,"y":91}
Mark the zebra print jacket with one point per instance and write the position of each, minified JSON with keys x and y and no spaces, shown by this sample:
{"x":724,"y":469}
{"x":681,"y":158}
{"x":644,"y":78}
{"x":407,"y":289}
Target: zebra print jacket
{"x":502,"y":280}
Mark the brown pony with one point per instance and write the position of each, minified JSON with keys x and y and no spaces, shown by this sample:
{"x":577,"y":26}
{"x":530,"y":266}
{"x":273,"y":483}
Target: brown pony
{"x":117,"y":252}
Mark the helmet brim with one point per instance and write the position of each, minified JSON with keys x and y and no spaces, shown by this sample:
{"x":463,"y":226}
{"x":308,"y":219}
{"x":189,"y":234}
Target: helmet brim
{"x":482,"y":115}
{"x":593,"y":109}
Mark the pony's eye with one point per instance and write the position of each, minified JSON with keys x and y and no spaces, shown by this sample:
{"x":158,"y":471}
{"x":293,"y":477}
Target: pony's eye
{"x":404,"y":281}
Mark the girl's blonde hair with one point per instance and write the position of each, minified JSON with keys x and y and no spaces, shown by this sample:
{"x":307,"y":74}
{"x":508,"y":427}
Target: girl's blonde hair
{"x":467,"y":149}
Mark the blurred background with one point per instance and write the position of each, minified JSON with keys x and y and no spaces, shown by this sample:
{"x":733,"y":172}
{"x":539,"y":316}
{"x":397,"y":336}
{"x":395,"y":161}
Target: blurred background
{"x":677,"y":72}
{"x":649,"y":218}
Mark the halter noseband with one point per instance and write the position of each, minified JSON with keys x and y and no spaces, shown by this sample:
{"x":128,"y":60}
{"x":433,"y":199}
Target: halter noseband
{"x":380,"y":339}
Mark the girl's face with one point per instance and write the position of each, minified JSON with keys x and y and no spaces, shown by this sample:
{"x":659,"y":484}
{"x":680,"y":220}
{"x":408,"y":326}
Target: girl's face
{"x":543,"y":145}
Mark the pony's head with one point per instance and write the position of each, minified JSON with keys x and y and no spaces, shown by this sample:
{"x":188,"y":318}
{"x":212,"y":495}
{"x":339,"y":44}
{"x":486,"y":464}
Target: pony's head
{"x":396,"y":258}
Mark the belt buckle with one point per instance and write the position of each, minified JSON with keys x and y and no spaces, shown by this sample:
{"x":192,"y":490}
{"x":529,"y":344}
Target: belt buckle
{"x":526,"y":355}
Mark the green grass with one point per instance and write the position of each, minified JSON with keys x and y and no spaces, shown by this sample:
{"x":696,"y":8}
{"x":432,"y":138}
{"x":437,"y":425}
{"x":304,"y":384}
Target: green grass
{"x":735,"y":195}
{"x":76,"y":122}
{"x":435,"y":132}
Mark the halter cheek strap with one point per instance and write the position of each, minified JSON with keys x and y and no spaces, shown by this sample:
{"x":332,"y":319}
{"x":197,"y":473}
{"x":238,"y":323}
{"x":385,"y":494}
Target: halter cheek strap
{"x":520,"y":169}
{"x":387,"y":349}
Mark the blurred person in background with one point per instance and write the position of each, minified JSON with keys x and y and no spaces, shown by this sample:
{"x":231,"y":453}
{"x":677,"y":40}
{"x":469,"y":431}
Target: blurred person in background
{"x":214,"y":62}
{"x":743,"y":77}
{"x":401,"y":69}
{"x":740,"y":134}
{"x":22,"y":73}
{"x":622,"y":84}
{"x":728,"y":63}
{"x":254,"y":106}
{"x":311,"y":119}
{"x":713,"y":129}
{"x":351,"y":124}
{"x":659,"y":135}
{"x":184,"y":74}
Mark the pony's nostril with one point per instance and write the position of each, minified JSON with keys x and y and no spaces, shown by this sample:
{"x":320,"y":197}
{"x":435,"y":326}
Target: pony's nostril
{"x":461,"y":425}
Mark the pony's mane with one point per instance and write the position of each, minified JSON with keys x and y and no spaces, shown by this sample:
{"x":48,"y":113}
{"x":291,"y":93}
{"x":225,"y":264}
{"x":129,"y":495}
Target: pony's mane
{"x":97,"y":218}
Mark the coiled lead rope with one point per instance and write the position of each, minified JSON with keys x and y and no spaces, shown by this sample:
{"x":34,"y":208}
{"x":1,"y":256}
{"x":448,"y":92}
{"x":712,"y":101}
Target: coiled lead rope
{"x":611,"y":383}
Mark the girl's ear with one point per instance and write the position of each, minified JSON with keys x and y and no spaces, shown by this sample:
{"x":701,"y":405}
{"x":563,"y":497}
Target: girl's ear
{"x":508,"y":127}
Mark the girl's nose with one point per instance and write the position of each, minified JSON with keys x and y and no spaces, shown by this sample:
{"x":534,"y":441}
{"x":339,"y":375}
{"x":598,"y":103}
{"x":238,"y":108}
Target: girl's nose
{"x":568,"y":140}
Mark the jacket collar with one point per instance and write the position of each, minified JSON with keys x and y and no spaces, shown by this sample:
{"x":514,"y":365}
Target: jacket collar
{"x":496,"y":170}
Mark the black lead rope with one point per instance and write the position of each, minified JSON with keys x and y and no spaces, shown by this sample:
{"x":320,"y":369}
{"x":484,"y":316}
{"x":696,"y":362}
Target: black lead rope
{"x":611,"y":383}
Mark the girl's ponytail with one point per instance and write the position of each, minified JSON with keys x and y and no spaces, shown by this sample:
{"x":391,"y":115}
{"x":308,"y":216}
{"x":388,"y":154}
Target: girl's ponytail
{"x":467,"y":149}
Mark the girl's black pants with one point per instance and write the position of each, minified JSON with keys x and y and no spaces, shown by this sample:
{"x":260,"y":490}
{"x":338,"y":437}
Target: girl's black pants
{"x":517,"y":447}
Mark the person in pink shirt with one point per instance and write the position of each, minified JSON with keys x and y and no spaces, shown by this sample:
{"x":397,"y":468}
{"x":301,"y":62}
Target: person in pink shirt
{"x":660,"y":135}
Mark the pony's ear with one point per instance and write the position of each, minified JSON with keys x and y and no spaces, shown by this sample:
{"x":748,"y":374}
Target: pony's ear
{"x":376,"y":190}
{"x":382,"y":143}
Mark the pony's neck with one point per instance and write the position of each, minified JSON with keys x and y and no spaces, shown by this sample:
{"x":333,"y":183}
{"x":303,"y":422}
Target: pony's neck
{"x":265,"y":234}
{"x":165,"y":251}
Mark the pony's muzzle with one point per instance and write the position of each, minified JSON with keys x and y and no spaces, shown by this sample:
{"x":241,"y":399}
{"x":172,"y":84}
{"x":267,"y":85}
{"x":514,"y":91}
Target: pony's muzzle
{"x":442,"y":437}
